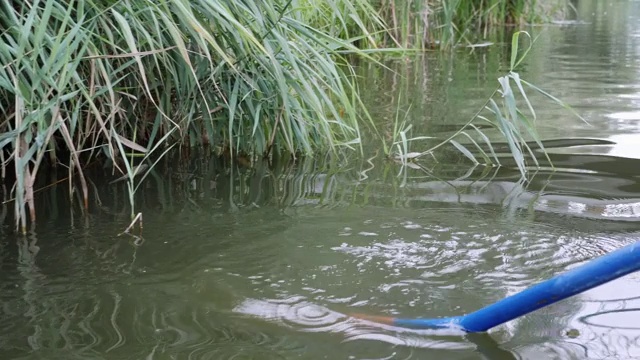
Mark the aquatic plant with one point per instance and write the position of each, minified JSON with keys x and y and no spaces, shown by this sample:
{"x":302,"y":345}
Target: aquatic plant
{"x":128,"y":80}
{"x":125,"y":82}
{"x":446,"y":23}
{"x":508,"y":110}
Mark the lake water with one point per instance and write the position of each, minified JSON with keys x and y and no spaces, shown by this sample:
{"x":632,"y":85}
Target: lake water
{"x":270,"y":262}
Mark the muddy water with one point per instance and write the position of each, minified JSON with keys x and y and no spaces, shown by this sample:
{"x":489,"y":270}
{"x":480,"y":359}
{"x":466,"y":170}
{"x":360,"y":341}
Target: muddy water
{"x":272,"y":262}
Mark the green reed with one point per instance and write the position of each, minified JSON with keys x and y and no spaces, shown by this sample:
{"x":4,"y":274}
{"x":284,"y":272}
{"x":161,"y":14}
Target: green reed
{"x":447,"y":23}
{"x":508,"y":109}
{"x":127,"y":80}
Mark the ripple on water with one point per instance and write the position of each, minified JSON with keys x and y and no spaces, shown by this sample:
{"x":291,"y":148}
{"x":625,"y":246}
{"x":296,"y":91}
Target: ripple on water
{"x":304,"y":275}
{"x":401,"y":263}
{"x":298,"y":313}
{"x":437,"y":253}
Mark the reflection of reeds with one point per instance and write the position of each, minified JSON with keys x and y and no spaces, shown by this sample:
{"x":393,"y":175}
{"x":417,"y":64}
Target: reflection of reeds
{"x":30,"y":285}
{"x":52,"y":306}
{"x":211,"y":184}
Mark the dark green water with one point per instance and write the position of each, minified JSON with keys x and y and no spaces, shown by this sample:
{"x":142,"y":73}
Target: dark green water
{"x":268,"y":262}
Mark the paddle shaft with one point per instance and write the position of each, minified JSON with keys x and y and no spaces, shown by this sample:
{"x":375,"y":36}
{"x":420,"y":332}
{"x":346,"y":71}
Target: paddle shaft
{"x":587,"y":276}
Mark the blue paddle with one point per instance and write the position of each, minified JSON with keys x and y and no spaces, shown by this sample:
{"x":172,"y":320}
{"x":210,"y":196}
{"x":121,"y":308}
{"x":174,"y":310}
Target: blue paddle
{"x":594,"y":273}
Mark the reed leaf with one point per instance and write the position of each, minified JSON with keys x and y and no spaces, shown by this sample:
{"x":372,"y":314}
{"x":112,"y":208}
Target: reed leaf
{"x":464,"y":151}
{"x":89,"y":78}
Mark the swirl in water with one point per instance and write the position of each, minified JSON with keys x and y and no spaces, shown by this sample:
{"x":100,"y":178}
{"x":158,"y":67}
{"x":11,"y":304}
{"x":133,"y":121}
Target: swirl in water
{"x":298,"y":313}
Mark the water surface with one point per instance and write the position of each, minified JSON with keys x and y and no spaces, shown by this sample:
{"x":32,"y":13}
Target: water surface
{"x":270,"y":262}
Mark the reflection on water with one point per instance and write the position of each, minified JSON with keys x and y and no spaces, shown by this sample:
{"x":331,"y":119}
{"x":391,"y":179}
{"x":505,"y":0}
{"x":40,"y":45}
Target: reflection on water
{"x":272,"y":265}
{"x":269,"y":261}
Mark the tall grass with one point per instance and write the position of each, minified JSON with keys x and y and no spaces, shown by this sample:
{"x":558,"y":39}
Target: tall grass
{"x":127,"y":80}
{"x":446,"y":23}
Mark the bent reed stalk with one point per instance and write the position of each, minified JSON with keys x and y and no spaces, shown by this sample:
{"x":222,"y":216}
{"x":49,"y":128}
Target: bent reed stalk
{"x":82,"y":79}
{"x":132,"y":79}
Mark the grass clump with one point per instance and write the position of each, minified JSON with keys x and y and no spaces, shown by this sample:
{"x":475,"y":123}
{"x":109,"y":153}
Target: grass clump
{"x":126,"y":81}
{"x":86,"y":79}
{"x":446,"y":23}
